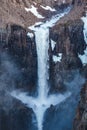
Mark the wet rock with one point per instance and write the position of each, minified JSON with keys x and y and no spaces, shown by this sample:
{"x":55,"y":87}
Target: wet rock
{"x":22,"y":49}
{"x":80,"y":122}
{"x":68,"y":40}
{"x":15,"y":118}
{"x":84,"y":71}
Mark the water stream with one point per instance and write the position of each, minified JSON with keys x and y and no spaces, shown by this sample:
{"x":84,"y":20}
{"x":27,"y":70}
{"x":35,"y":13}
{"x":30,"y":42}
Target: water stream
{"x":43,"y":101}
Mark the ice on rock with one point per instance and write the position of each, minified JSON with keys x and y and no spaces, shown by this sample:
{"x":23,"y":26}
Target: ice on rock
{"x":33,"y":10}
{"x":31,"y":35}
{"x":84,"y":56}
{"x":57,"y":58}
{"x":53,"y":43}
{"x":48,"y":8}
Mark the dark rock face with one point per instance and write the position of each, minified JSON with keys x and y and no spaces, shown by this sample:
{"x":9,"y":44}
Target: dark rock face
{"x":80,"y":122}
{"x":16,"y":44}
{"x":69,"y":38}
{"x":18,"y":117}
{"x":70,"y":42}
{"x":22,"y":49}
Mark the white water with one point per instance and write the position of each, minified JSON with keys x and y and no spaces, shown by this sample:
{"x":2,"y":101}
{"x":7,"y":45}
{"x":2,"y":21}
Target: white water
{"x":42,"y":42}
{"x":40,"y":103}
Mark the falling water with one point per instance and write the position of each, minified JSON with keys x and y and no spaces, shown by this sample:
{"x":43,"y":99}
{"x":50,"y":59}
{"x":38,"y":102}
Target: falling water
{"x":42,"y":41}
{"x":40,"y":103}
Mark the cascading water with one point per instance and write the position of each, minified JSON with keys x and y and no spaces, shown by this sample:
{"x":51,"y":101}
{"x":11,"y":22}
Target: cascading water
{"x":42,"y":41}
{"x":40,"y":103}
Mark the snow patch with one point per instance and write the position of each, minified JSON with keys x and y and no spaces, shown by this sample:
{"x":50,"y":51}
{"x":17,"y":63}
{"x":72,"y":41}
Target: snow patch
{"x":84,"y":19}
{"x":57,"y":58}
{"x":84,"y":56}
{"x":53,"y":43}
{"x":33,"y":10}
{"x":51,"y":22}
{"x":36,"y":24}
{"x":48,"y":8}
{"x":31,"y":35}
{"x":64,"y":1}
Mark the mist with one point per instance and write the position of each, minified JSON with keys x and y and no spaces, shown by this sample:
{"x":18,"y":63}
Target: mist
{"x":9,"y":74}
{"x":62,"y":116}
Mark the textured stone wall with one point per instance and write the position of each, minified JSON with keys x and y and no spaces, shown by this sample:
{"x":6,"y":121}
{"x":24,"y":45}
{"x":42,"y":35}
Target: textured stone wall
{"x":80,"y":122}
{"x":23,"y":49}
{"x":70,"y":42}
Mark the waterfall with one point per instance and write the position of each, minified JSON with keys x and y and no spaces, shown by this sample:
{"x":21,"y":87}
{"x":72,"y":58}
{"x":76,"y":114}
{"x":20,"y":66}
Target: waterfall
{"x":40,"y":103}
{"x":42,"y":41}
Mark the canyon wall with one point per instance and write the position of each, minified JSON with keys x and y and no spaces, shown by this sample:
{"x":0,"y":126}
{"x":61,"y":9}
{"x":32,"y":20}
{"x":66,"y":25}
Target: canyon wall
{"x":18,"y":70}
{"x":68,"y":40}
{"x":67,"y":37}
{"x":22,"y":48}
{"x":80,"y":122}
{"x":14,"y":10}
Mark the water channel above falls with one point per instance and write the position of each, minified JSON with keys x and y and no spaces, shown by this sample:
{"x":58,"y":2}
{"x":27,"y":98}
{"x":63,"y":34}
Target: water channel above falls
{"x":56,"y":111}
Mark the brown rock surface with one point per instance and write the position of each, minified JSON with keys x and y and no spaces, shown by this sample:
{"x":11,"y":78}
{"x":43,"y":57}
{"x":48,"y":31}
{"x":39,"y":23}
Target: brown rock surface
{"x":12,"y":11}
{"x":80,"y":122}
{"x":70,"y":42}
{"x":76,"y":13}
{"x":69,"y":38}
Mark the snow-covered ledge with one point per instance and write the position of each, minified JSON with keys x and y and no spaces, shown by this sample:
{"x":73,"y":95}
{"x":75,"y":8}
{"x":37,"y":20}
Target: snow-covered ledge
{"x":31,"y":35}
{"x":53,"y":43}
{"x":57,"y":58}
{"x":34,"y":11}
{"x":84,"y":56}
{"x":48,"y":8}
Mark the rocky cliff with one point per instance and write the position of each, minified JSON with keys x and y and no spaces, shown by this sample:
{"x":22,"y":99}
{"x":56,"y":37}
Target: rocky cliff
{"x":66,"y":44}
{"x":80,"y":122}
{"x":19,"y":40}
{"x":14,"y":10}
{"x":16,"y":41}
